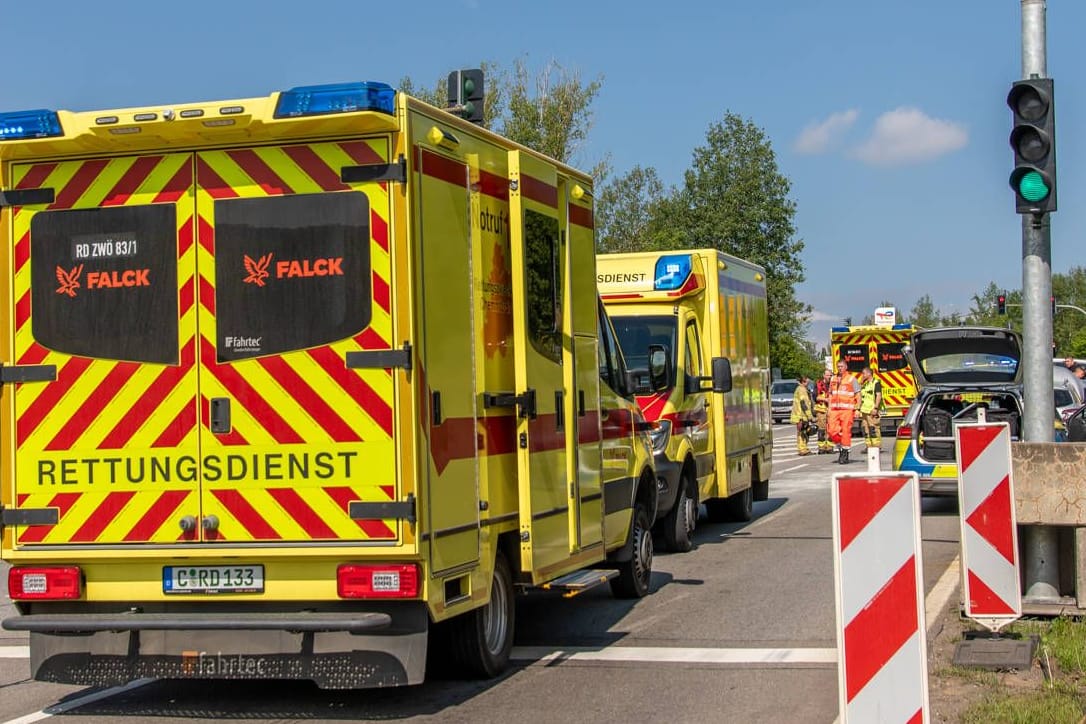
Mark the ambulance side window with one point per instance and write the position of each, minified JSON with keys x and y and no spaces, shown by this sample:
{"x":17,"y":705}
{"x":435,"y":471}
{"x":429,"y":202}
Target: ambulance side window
{"x":693,"y":349}
{"x":291,"y":272}
{"x":543,"y":286}
{"x":610,"y":368}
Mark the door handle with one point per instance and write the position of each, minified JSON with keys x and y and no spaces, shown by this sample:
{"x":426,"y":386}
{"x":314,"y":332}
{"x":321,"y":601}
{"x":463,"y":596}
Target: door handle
{"x":220,"y":415}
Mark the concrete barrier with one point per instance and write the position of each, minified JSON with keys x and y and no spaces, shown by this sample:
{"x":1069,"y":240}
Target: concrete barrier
{"x":1049,"y":482}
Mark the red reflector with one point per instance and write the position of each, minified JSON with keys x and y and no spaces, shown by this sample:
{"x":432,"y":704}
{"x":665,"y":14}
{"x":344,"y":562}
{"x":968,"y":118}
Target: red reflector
{"x":905,"y":431}
{"x":385,"y":580}
{"x":27,"y":583}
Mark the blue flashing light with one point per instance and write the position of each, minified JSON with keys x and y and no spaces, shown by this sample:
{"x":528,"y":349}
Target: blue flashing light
{"x":903,"y":326}
{"x":39,"y":123}
{"x":671,"y":271}
{"x":838,"y":329}
{"x":319,"y":100}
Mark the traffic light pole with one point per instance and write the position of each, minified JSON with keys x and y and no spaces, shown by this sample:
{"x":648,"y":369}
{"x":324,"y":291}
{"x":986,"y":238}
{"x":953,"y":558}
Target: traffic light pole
{"x":1041,"y":543}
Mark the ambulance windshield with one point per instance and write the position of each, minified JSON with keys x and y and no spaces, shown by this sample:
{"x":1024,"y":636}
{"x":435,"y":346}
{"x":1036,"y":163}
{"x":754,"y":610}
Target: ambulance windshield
{"x":635,"y":334}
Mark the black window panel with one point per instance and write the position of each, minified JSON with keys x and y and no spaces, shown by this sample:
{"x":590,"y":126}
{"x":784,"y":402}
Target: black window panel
{"x":892,"y":357}
{"x":543,"y":287}
{"x":855,"y":357}
{"x":291,"y":272}
{"x":104,"y":282}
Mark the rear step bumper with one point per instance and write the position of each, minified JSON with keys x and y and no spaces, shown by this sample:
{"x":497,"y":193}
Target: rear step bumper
{"x":384,"y":645}
{"x":292,"y":622}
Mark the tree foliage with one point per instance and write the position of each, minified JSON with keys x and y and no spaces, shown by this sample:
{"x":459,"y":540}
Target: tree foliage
{"x":924,"y":313}
{"x":626,"y":208}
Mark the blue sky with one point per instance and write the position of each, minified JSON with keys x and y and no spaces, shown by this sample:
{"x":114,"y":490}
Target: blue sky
{"x":889,"y":118}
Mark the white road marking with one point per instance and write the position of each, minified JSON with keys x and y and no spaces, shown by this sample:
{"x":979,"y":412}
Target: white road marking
{"x":70,"y":704}
{"x":941,"y":592}
{"x":685,"y":655}
{"x":788,"y":470}
{"x":14,"y":652}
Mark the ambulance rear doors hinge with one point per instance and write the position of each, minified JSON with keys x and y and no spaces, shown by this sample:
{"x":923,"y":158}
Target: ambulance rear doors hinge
{"x":381,"y":358}
{"x":395,"y":171}
{"x":401,"y":510}
{"x":29,"y":516}
{"x":524,"y":402}
{"x":27,"y":373}
{"x":27,"y":197}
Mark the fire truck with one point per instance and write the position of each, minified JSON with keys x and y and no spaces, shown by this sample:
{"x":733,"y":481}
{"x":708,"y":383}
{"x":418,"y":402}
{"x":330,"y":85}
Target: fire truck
{"x":703,"y":314}
{"x":301,"y":387}
{"x":882,"y":347}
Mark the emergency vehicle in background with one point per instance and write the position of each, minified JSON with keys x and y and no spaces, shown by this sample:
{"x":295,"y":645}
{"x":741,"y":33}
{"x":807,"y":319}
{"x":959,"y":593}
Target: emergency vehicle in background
{"x":297,"y":386}
{"x":703,"y":315}
{"x":881,"y":346}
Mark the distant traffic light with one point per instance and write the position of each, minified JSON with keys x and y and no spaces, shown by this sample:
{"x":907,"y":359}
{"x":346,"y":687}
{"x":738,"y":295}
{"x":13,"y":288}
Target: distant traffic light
{"x":466,"y":94}
{"x":1033,"y":139}
{"x":1001,"y":304}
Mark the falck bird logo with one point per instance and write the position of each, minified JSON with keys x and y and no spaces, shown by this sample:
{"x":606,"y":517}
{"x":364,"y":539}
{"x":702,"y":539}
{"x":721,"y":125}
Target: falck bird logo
{"x":69,"y":280}
{"x":258,"y":270}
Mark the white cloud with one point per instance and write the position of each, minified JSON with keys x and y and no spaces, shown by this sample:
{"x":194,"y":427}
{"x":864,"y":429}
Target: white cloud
{"x":907,"y":135}
{"x":817,"y":316}
{"x":818,"y":136}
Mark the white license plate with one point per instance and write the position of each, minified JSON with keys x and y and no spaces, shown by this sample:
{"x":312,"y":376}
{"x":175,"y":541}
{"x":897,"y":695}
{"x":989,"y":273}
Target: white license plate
{"x":213,"y":579}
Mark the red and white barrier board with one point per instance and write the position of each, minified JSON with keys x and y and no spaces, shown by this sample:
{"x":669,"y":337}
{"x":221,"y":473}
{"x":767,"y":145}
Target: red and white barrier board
{"x":993,"y":595}
{"x":879,"y":586}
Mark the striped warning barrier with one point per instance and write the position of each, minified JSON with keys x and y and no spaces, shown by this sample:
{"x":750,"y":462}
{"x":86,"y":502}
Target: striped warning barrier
{"x":989,"y":535}
{"x":882,"y":669}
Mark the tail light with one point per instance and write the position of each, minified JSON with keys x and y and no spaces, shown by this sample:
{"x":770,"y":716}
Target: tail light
{"x":27,"y":583}
{"x":904,"y":432}
{"x":385,"y":580}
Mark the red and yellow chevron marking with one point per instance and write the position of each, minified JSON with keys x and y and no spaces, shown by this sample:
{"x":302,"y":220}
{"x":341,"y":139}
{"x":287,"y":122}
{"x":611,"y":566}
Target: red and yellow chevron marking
{"x":96,"y":406}
{"x":304,"y":400}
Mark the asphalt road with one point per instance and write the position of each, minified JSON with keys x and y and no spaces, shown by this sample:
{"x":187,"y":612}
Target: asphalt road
{"x":739,"y":629}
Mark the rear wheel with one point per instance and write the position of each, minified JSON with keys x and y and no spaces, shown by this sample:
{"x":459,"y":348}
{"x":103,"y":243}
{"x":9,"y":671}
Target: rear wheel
{"x":633,"y":575}
{"x":480,"y":641}
{"x":736,"y":508}
{"x":680,"y":521}
{"x":761,"y":490}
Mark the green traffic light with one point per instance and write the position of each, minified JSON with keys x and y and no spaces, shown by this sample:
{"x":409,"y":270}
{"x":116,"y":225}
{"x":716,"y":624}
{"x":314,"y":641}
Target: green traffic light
{"x":469,"y":86}
{"x":1032,"y":187}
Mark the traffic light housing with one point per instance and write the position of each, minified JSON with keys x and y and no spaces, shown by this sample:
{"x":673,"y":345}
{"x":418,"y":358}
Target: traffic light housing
{"x":1033,"y":139}
{"x":466,"y":94}
{"x":1001,"y":304}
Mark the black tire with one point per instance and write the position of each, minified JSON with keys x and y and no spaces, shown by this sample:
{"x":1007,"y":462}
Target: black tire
{"x":480,"y":641}
{"x":761,"y":490}
{"x":736,"y":508}
{"x":679,"y":523}
{"x":634,"y":575}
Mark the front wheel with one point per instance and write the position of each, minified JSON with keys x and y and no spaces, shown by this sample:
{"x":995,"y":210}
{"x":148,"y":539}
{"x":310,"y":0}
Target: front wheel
{"x":679,"y":523}
{"x":634,"y":575}
{"x":481,"y":640}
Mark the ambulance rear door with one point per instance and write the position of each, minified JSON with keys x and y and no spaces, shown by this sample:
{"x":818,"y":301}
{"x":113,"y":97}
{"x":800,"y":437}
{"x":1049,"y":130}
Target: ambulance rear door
{"x":104,"y":281}
{"x":296,"y":350}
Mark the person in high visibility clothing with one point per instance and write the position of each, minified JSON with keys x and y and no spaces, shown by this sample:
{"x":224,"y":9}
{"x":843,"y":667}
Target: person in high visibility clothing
{"x":870,"y":407}
{"x":821,"y":409}
{"x":802,"y":415}
{"x":844,"y":394}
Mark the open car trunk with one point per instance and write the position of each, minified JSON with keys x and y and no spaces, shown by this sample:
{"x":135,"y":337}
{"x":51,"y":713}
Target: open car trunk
{"x":945,"y":410}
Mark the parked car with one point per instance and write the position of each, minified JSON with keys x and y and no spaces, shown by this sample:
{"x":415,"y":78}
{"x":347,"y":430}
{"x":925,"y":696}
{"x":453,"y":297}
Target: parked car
{"x":1069,"y":391}
{"x":780,"y":399}
{"x":958,"y":371}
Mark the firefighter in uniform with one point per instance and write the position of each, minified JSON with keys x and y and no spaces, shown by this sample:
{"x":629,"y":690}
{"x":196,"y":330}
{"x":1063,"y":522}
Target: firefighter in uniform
{"x":870,"y":405}
{"x":821,"y":409}
{"x":844,"y":389}
{"x":802,"y":415}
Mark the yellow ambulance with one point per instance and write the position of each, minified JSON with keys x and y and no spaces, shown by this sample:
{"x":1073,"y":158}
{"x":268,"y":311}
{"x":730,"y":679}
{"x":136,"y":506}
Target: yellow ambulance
{"x":700,"y":315}
{"x":296,"y":386}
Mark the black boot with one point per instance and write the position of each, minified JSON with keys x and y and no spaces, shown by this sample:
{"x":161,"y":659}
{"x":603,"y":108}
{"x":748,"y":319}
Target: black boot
{"x":842,"y":457}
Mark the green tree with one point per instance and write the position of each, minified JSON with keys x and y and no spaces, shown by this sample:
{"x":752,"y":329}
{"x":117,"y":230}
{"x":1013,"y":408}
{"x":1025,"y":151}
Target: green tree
{"x":625,"y":209}
{"x":924,"y":314}
{"x":983,"y":309}
{"x":734,"y":198}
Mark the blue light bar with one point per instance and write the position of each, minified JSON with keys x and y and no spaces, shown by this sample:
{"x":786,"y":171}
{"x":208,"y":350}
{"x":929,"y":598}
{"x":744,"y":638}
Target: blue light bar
{"x":671,"y":271}
{"x":903,"y":326}
{"x":319,"y":100}
{"x":838,"y":329}
{"x":39,"y":123}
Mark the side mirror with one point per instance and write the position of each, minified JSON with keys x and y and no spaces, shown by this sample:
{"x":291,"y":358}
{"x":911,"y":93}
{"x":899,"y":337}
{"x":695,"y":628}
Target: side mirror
{"x":722,"y":375}
{"x":659,"y":367}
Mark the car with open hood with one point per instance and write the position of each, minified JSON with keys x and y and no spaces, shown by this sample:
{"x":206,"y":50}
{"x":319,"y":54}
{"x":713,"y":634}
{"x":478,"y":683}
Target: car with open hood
{"x":959,"y":371}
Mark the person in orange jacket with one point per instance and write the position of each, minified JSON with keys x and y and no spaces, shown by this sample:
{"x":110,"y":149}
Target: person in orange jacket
{"x":844,"y":407}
